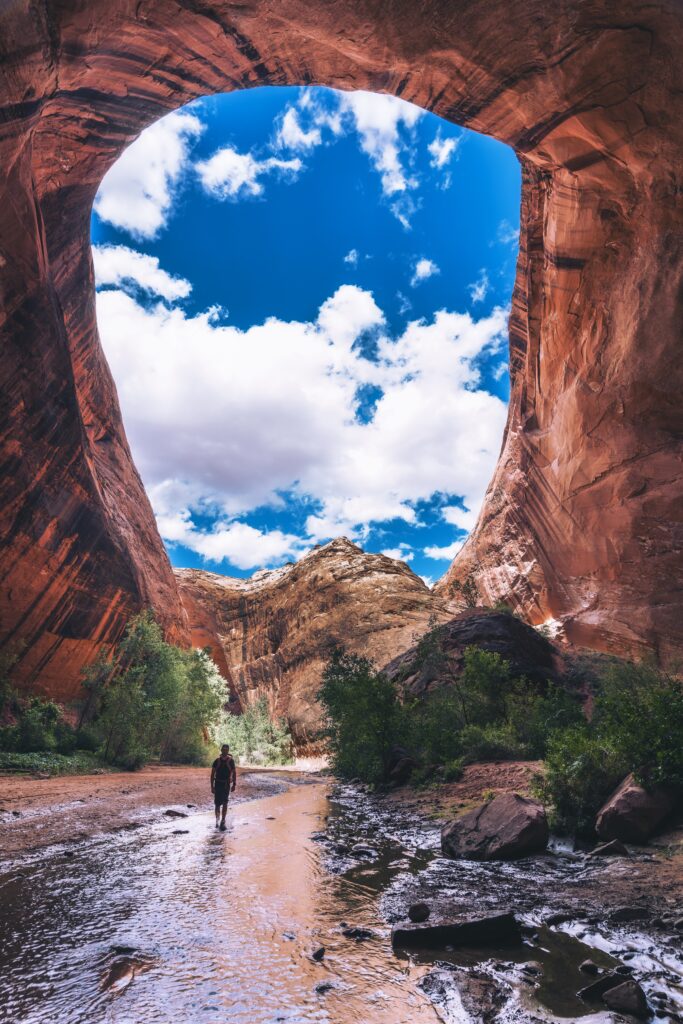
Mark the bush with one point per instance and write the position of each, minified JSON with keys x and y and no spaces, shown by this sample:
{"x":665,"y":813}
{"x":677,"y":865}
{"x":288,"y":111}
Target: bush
{"x":365,"y":720}
{"x":254,"y":738}
{"x":640,"y":710}
{"x":581,"y":771}
{"x":453,"y":771}
{"x":493,"y":742}
{"x":154,"y":699}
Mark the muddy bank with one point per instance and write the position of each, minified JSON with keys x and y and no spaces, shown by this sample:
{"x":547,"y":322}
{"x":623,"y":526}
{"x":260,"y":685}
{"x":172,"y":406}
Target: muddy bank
{"x":37,"y":813}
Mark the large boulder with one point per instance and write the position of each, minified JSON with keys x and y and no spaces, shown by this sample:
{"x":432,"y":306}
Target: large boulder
{"x":633,"y":813}
{"x":505,"y":828}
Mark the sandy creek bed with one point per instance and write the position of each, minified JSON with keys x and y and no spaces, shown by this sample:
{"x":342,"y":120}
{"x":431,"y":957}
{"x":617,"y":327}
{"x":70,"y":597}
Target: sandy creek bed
{"x":113,"y":912}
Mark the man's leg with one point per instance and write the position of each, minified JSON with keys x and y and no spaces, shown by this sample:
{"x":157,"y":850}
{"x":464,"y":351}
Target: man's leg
{"x":218,"y":814}
{"x":224,"y":811}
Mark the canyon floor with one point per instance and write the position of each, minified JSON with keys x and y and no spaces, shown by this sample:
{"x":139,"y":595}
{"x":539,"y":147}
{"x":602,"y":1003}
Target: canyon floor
{"x":113,"y":910}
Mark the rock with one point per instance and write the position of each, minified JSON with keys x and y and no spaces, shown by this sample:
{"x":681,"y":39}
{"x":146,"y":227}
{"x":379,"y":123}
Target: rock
{"x":418,"y":912}
{"x":581,"y":522}
{"x":170,"y":813}
{"x":362,"y":850}
{"x":624,"y":914}
{"x":528,"y":653}
{"x":589,"y":967}
{"x":623,"y":969}
{"x":180,"y":832}
{"x":633,"y":813}
{"x":678,"y":925}
{"x":597,"y":989}
{"x":318,"y":954}
{"x":615,"y":848}
{"x":359,"y":934}
{"x":473,"y":931}
{"x":323,"y":986}
{"x":402,"y":770}
{"x":505,"y":828}
{"x":271,"y":634}
{"x":627,"y":998}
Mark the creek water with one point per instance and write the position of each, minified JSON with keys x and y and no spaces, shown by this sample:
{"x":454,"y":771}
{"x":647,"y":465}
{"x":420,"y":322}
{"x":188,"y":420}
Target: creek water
{"x":174,"y":921}
{"x":179,"y":922}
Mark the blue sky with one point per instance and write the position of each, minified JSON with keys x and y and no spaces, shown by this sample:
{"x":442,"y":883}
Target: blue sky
{"x":303,"y":297}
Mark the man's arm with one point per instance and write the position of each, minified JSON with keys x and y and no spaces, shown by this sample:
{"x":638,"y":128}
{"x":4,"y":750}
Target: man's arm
{"x":213,"y":778}
{"x":233,"y":774}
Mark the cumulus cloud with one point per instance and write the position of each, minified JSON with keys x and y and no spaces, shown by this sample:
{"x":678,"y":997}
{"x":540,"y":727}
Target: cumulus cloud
{"x":119,"y":265}
{"x":378,"y":119}
{"x":137,"y":193}
{"x":403,"y":553}
{"x":236,"y":542}
{"x":444,"y":554}
{"x":463,"y":518}
{"x":442,"y":150}
{"x":229,"y":174}
{"x":352,"y":257}
{"x":223,"y":421}
{"x":291,"y":135}
{"x":424,"y":268}
{"x":479,"y":289}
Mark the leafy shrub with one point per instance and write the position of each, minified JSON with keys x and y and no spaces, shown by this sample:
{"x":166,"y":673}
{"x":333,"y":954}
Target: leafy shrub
{"x":365,"y":720}
{"x":581,"y":771}
{"x":453,"y":770}
{"x":493,"y":742}
{"x":254,"y":738}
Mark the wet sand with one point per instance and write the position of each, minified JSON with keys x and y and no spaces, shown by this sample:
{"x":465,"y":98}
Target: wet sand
{"x":37,"y":813}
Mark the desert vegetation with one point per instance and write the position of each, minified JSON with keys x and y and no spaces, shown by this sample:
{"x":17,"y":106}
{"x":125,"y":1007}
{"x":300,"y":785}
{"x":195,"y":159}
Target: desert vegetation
{"x":148,"y":701}
{"x":482,"y":712}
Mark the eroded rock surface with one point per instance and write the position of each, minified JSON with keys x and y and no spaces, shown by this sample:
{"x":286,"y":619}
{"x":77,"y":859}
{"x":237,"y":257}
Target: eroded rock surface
{"x":505,"y":828}
{"x":582,"y":522}
{"x":270,"y":634}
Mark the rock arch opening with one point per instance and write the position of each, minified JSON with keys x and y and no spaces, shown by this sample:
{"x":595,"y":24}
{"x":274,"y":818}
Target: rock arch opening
{"x":582,"y":519}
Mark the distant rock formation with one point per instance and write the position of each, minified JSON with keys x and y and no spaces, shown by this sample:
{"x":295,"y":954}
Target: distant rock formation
{"x":270,"y":634}
{"x":583,"y":520}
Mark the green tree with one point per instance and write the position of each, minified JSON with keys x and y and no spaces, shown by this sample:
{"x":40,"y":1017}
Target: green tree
{"x":365,"y":719}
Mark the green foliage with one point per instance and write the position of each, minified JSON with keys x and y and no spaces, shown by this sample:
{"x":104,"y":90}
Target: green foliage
{"x":453,"y":770}
{"x":365,"y":719}
{"x":640,"y":709}
{"x":49,"y":762}
{"x":637,"y":726}
{"x":154,"y":699}
{"x":254,"y":738}
{"x":580,"y":771}
{"x":468,"y":589}
{"x":492,"y":742}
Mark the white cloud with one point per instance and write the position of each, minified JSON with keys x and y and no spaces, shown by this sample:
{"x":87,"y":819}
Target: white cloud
{"x":352,"y":257}
{"x":424,"y":268}
{"x":119,"y":265}
{"x":291,"y":135}
{"x":507,"y":235}
{"x":428,"y":581}
{"x":238,"y":543}
{"x":479,"y":289}
{"x":222,"y":421}
{"x":463,"y":518}
{"x":378,"y":119}
{"x":232,"y":175}
{"x":137,"y":192}
{"x":445,"y":554}
{"x":442,"y":150}
{"x":403,"y":553}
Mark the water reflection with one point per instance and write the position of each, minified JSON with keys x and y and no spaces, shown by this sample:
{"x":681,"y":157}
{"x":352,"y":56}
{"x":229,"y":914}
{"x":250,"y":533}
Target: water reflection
{"x":203,"y":926}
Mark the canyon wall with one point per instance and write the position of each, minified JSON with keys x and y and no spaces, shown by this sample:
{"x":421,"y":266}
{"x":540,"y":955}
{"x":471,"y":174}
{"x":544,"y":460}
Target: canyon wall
{"x":270,"y":634}
{"x":582,"y":522}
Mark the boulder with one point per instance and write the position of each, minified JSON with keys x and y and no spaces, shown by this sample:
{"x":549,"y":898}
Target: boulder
{"x":633,"y":813}
{"x":627,"y":998}
{"x":466,"y":931}
{"x":418,"y":912}
{"x":505,"y":828}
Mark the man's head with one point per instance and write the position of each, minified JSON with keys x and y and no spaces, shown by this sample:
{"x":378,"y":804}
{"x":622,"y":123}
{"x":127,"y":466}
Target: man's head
{"x":225,"y":750}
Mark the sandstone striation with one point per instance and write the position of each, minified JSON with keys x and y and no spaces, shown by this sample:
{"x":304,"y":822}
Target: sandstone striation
{"x":582,"y":523}
{"x":270,"y":634}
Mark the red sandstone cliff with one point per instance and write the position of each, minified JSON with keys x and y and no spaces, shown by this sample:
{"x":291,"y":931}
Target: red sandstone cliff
{"x":270,"y":634}
{"x":583,"y":520}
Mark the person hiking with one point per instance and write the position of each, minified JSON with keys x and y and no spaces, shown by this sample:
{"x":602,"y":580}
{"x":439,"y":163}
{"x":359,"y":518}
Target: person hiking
{"x":223,"y":782}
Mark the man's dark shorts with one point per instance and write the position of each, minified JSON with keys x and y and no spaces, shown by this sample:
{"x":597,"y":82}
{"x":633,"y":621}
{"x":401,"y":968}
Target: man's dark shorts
{"x":221,"y":793}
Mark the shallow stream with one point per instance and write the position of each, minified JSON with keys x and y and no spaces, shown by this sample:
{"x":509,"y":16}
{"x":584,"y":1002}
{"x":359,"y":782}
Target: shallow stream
{"x":174,"y":921}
